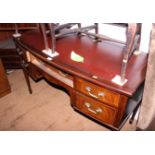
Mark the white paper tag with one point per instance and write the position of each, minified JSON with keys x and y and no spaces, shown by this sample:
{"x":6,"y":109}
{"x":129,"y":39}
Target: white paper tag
{"x":76,"y":57}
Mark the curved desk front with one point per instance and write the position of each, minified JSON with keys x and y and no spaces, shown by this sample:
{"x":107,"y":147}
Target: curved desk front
{"x":88,"y":75}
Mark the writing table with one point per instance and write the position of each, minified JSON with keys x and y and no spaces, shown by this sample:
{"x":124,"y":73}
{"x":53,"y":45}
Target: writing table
{"x":88,"y":82}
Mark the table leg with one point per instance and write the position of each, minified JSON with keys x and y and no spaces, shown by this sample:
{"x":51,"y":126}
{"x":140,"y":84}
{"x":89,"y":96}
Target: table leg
{"x":27,"y":81}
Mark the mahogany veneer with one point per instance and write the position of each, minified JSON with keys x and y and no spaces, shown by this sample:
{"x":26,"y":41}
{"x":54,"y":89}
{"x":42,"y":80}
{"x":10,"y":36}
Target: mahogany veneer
{"x":89,"y":83}
{"x":4,"y":83}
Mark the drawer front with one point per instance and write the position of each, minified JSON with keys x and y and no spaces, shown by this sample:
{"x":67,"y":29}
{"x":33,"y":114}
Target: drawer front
{"x":54,"y":72}
{"x":8,"y":52}
{"x":95,"y":109}
{"x":97,"y":92}
{"x":11,"y":58}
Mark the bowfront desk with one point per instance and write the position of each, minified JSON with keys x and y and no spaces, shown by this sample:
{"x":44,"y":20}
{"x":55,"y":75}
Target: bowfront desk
{"x":89,"y":83}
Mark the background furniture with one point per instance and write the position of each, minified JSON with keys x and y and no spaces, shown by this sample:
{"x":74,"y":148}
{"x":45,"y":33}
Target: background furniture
{"x":4,"y":83}
{"x":8,"y":52}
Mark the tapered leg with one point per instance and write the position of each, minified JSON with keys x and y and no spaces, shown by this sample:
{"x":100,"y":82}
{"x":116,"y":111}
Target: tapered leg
{"x":27,"y":81}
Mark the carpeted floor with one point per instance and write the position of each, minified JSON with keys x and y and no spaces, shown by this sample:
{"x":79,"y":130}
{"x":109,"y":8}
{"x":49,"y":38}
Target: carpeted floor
{"x":47,"y":108}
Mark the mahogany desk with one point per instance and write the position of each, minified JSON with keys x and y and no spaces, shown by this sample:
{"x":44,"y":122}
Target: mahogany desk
{"x":89,"y":83}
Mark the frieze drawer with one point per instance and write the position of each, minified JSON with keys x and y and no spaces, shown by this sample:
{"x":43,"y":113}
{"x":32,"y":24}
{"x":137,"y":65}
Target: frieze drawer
{"x":97,"y":92}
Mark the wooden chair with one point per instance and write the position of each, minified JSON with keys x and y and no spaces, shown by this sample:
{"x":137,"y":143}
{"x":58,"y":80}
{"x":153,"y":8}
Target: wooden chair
{"x":131,"y":45}
{"x":57,"y":31}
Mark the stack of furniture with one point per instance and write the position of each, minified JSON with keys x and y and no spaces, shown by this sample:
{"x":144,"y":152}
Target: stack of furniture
{"x":104,"y":77}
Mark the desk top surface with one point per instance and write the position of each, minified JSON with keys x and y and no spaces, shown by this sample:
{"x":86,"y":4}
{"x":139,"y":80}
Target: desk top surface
{"x":102,"y":59}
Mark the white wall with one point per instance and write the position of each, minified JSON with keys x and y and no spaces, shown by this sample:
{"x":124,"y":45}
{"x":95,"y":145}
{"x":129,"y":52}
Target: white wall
{"x":119,"y":33}
{"x":145,"y":37}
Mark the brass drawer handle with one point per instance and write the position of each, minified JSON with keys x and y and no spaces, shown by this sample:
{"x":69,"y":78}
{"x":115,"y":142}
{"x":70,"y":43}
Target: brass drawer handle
{"x":24,"y":64}
{"x":96,"y":111}
{"x":100,"y":94}
{"x":20,"y":52}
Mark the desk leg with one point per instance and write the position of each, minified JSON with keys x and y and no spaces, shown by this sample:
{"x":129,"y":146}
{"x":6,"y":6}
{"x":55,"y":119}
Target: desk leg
{"x":27,"y":81}
{"x":134,"y":113}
